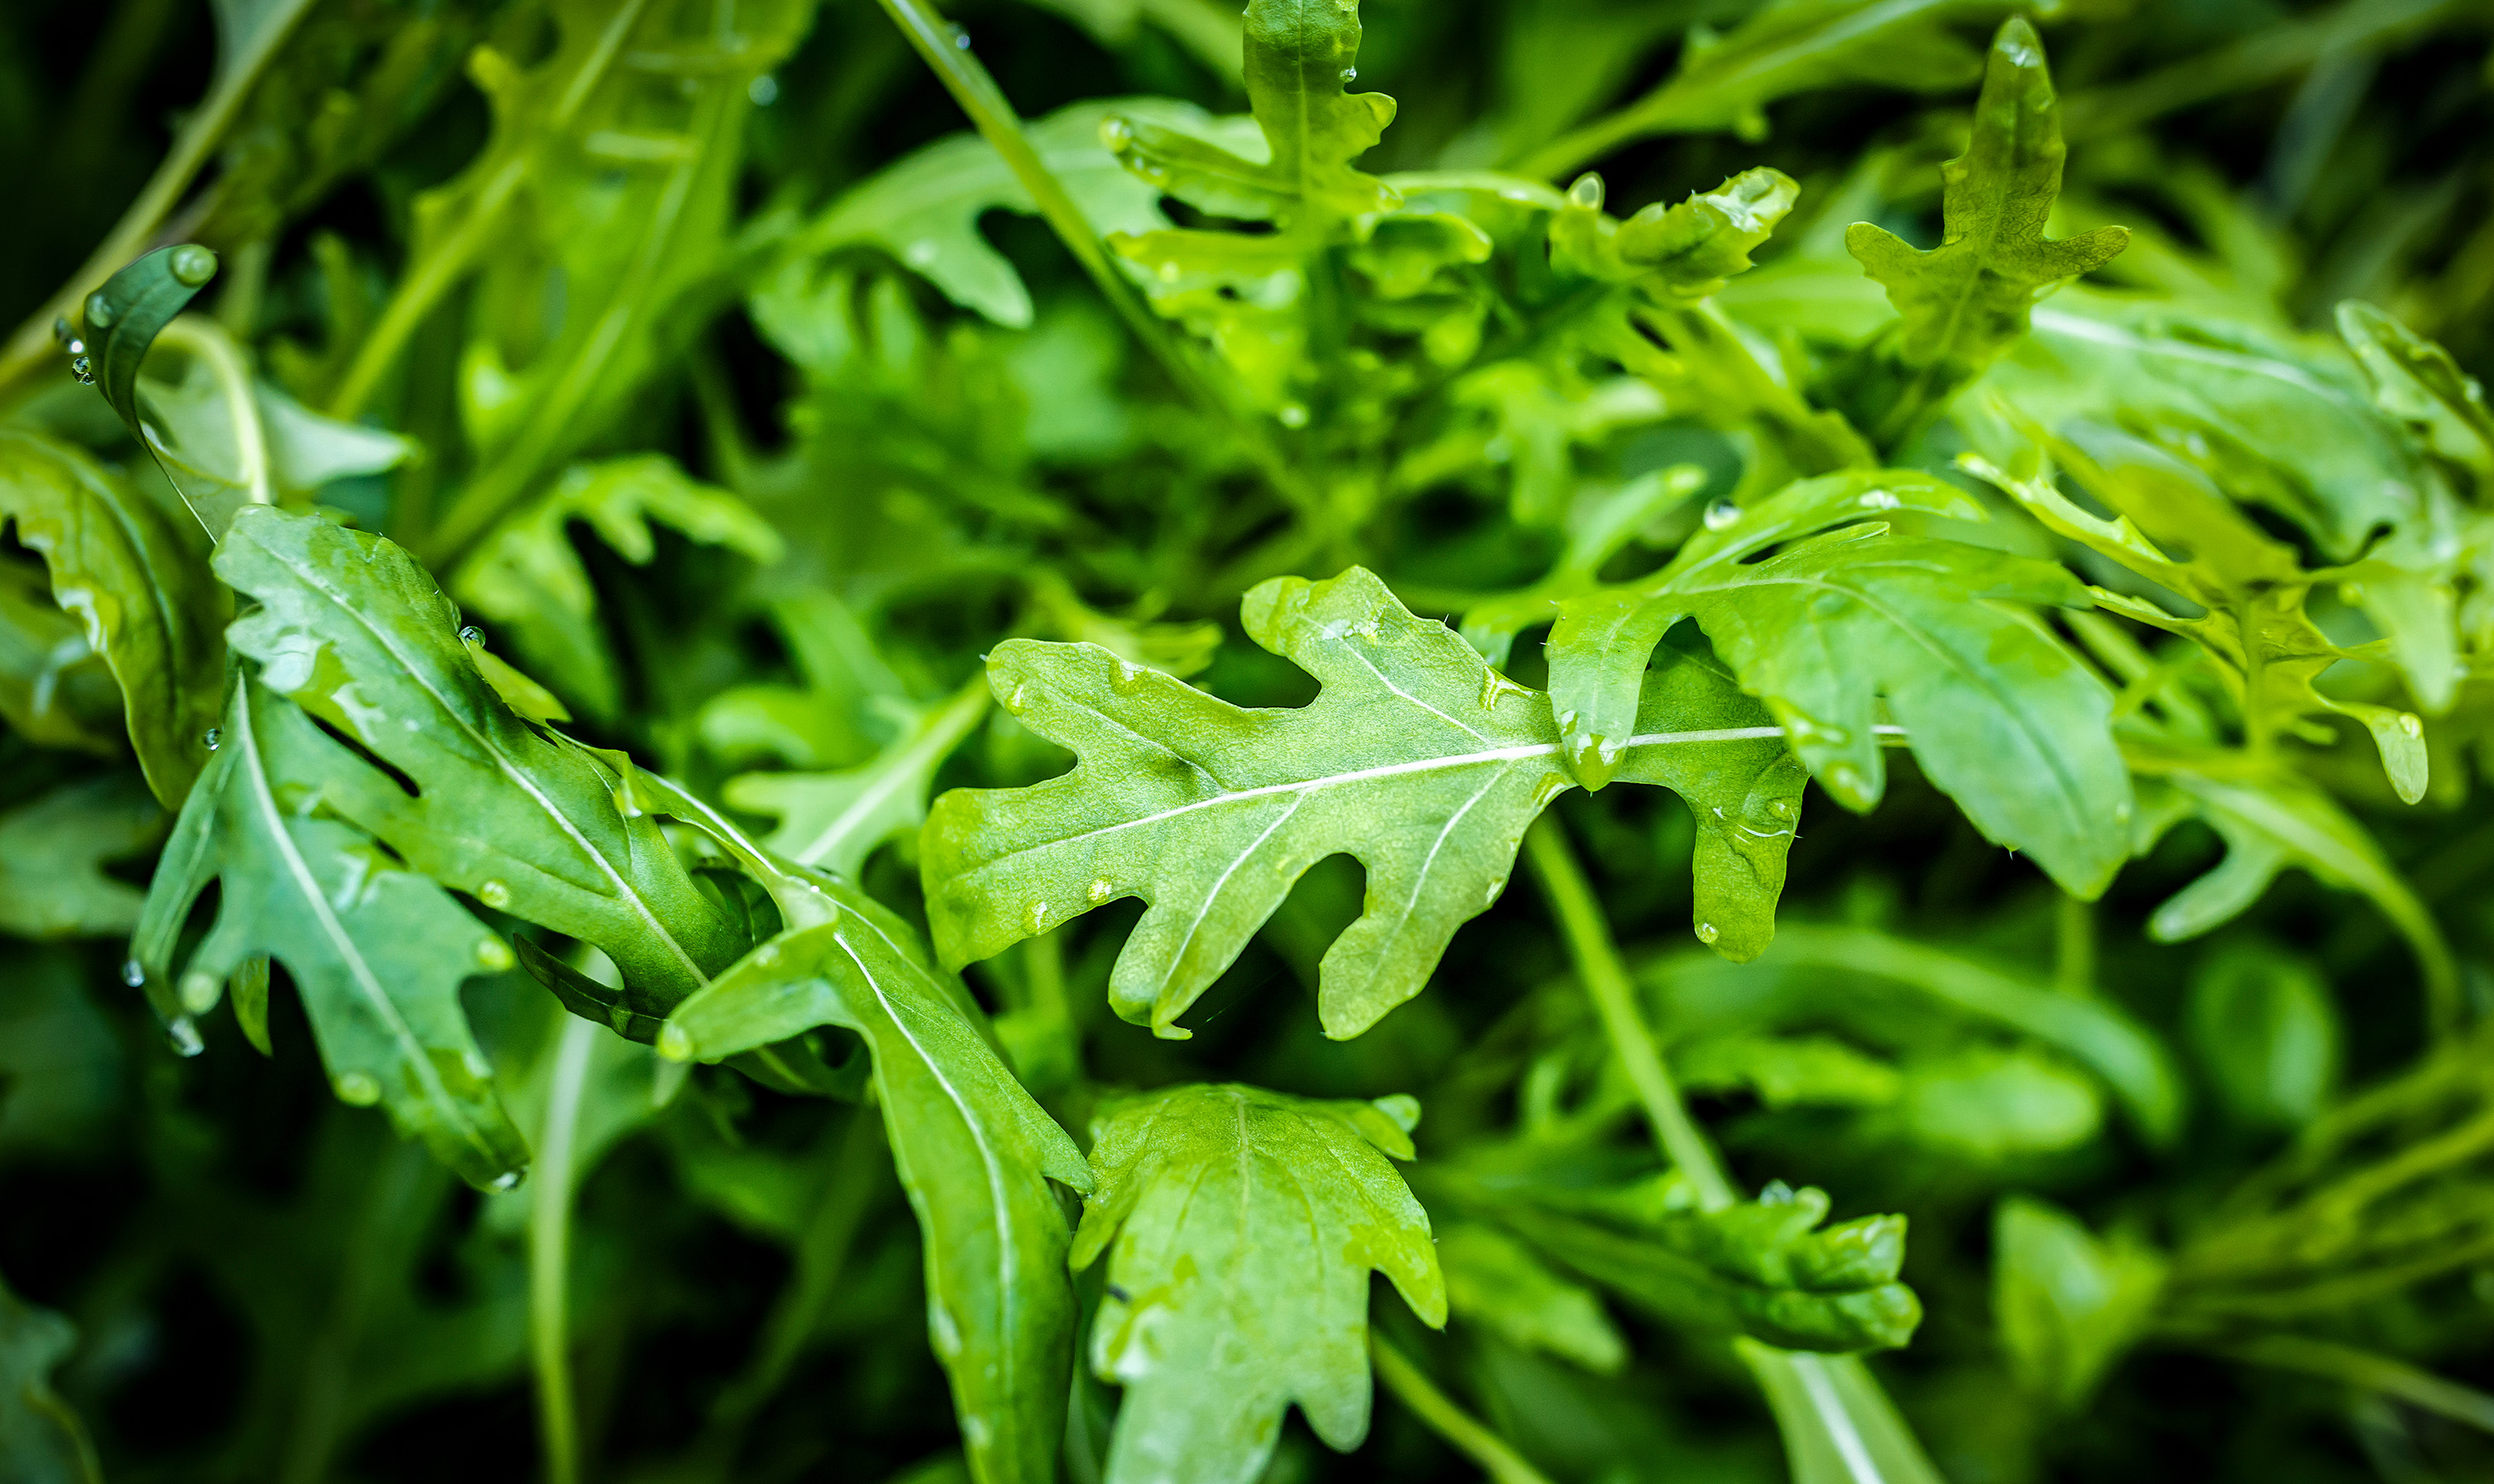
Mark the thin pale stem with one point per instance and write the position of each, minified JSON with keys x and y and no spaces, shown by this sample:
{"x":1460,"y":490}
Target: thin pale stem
{"x":2369,"y":1372}
{"x":1467,"y":1433}
{"x":1606,"y":980}
{"x":206,"y":341}
{"x":2073,"y":946}
{"x":550,"y":1252}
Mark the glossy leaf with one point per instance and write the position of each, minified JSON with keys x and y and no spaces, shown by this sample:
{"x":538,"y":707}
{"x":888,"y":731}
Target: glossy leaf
{"x":2001,"y":717}
{"x":377,"y":951}
{"x":123,"y":318}
{"x":144,"y":599}
{"x":1416,"y":759}
{"x":836,"y":820}
{"x":1241,"y":1227}
{"x":524,"y":820}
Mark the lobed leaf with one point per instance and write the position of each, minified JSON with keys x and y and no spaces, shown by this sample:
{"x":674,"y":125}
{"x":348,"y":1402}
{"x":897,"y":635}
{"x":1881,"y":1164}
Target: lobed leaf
{"x":377,"y":951}
{"x":1241,"y":1227}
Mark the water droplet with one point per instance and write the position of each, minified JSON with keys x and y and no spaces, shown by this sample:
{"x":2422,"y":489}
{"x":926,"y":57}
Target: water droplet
{"x":1496,"y":886}
{"x":2350,"y":593}
{"x":1292,"y":414}
{"x":962,"y":38}
{"x":1775,"y":1193}
{"x":675,"y":1042}
{"x":494,"y":955}
{"x":496,"y":895}
{"x":65,"y":334}
{"x":358,"y":1088}
{"x":133,"y":973}
{"x":1587,"y":193}
{"x":1014,"y":702}
{"x":1708,"y":932}
{"x":1547,"y":789}
{"x":507,"y":1180}
{"x":1844,"y":779}
{"x":212,"y":739}
{"x":99,"y":313}
{"x":763,"y":91}
{"x":2411,"y":724}
{"x":1038,"y":916}
{"x":470,"y":633}
{"x":182,"y":1033}
{"x":1350,"y":75}
{"x":1785,"y":809}
{"x":192,"y":263}
{"x":1100,"y":891}
{"x":1128,"y":679}
{"x":199,"y":991}
{"x":1723,"y":515}
{"x":1880,"y":499}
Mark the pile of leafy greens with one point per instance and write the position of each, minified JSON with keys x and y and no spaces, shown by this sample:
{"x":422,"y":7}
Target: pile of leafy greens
{"x":772,"y":740}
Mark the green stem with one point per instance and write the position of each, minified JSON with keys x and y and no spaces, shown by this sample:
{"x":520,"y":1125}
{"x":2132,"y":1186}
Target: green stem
{"x":1614,"y":995}
{"x":2369,"y":1372}
{"x":1467,"y":1433}
{"x":550,"y":1251}
{"x":30,"y":348}
{"x":944,"y":50}
{"x":2073,"y":946}
{"x":207,"y":341}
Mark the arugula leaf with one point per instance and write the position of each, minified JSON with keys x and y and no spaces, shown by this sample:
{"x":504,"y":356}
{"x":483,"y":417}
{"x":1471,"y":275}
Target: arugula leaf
{"x":42,"y":1441}
{"x":526,"y":574}
{"x":1417,"y":759}
{"x":524,"y":820}
{"x":2001,"y":717}
{"x":971,"y":1146}
{"x":51,"y":856}
{"x":377,"y":951}
{"x":123,"y":318}
{"x":144,"y":600}
{"x":836,"y":820}
{"x":2418,"y":382}
{"x":2068,"y":1303}
{"x":1245,"y":1224}
{"x":1962,"y":303}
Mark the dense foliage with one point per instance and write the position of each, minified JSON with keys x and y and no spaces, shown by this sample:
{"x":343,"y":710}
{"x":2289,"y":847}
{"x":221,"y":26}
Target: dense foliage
{"x":758,"y":739}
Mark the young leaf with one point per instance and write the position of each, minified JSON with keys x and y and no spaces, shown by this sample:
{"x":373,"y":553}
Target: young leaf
{"x":377,"y":951}
{"x":1964,"y":302}
{"x":2002,"y":718}
{"x":2418,"y":382}
{"x":1298,"y":53}
{"x":1495,"y":1281}
{"x":1244,"y":1226}
{"x":42,"y":1441}
{"x":836,"y":820}
{"x":1417,"y":759}
{"x":524,"y":820}
{"x":123,"y":318}
{"x":975,"y":1154}
{"x":2067,"y":1303}
{"x":146,"y":602}
{"x":51,"y":856}
{"x":2266,"y":1034}
{"x":526,"y":574}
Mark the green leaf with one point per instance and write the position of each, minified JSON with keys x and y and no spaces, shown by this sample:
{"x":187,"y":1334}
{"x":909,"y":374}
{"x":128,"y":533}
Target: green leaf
{"x":123,"y":318}
{"x":924,"y":208}
{"x":975,"y":1154}
{"x":1965,"y":302}
{"x":2418,"y":382}
{"x":2266,"y":1034}
{"x":51,"y":856}
{"x":42,"y":1441}
{"x":1299,"y":56}
{"x":1416,"y":759}
{"x":55,"y":692}
{"x":146,"y":602}
{"x":1787,"y":1071}
{"x":2068,"y":1303}
{"x":377,"y":951}
{"x":1244,"y":1226}
{"x":523,"y":819}
{"x":1495,"y":1281}
{"x":1679,"y":252}
{"x":527,"y":576}
{"x":1999,"y":715}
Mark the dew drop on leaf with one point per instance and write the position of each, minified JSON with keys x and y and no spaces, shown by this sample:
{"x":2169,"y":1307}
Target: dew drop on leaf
{"x":1350,"y":75}
{"x":193,"y":263}
{"x":182,"y":1033}
{"x":98,"y":310}
{"x":495,"y":893}
{"x":1708,"y":932}
{"x":1292,"y":414}
{"x":470,"y":633}
{"x":199,"y":992}
{"x":133,"y":973}
{"x":1723,"y":515}
{"x":212,"y":738}
{"x":507,"y":1180}
{"x":358,"y":1088}
{"x":1587,"y":193}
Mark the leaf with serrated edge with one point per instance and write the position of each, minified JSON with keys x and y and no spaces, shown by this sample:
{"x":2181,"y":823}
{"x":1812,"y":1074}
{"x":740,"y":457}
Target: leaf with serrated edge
{"x":377,"y":952}
{"x":974,"y":1152}
{"x":2002,"y":718}
{"x":523,"y":819}
{"x":1416,"y":758}
{"x":1244,"y":1224}
{"x":148,"y":603}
